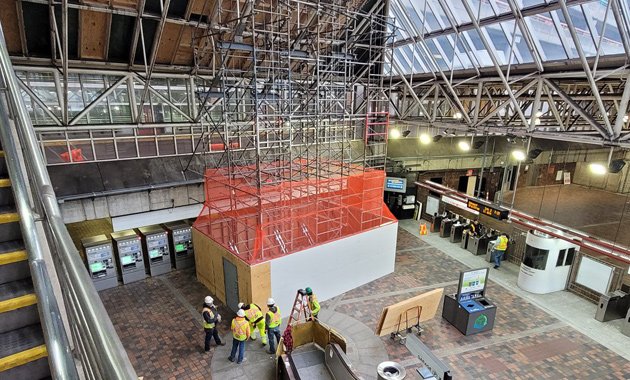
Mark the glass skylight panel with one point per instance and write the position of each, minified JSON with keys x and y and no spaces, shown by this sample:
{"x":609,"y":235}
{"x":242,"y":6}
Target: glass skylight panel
{"x":499,"y":42}
{"x":529,"y":3}
{"x":481,"y":8}
{"x":596,"y":14}
{"x":459,"y":12}
{"x":581,"y":30}
{"x":477,"y":48}
{"x":546,"y":37}
{"x":521,"y":53}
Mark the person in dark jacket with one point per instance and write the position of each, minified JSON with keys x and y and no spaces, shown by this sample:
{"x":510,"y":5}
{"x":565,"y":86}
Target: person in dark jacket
{"x":210,"y":319}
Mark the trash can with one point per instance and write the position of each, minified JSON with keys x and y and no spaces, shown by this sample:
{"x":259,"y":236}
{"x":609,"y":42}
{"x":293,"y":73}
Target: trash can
{"x":390,"y":371}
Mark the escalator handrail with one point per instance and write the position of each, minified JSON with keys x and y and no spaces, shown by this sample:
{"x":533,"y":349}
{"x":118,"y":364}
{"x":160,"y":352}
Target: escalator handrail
{"x":107,"y":356}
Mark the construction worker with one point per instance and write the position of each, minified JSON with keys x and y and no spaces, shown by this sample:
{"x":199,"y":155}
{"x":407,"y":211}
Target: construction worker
{"x":256,"y":320}
{"x":272,"y":321}
{"x":210,"y":319}
{"x":240,"y":332}
{"x":312,"y":302}
{"x":500,"y":246}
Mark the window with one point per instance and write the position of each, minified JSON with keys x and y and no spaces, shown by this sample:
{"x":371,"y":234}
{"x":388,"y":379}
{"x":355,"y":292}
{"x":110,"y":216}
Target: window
{"x":535,"y":258}
{"x":560,"y":261}
{"x":570,"y":254}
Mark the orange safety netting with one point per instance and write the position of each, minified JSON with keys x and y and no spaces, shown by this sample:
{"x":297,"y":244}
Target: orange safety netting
{"x":259,"y":223}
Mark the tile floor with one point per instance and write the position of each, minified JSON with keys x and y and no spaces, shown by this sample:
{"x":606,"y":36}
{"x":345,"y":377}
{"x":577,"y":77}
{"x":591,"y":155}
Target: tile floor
{"x":158,"y":321}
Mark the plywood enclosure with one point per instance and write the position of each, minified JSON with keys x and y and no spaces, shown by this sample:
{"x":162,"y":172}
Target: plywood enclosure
{"x":391,"y":320}
{"x":94,"y":31}
{"x":254,"y":282}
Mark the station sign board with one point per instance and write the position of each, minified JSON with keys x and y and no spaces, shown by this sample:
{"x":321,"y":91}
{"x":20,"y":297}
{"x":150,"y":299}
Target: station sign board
{"x":488,"y":209}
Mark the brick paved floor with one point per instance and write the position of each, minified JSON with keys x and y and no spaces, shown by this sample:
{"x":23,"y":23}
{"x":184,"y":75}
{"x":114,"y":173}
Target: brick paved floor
{"x":159,"y":323}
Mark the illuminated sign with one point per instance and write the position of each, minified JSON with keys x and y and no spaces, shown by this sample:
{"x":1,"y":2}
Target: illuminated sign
{"x":398,"y":185}
{"x":456,"y":203}
{"x":488,"y":209}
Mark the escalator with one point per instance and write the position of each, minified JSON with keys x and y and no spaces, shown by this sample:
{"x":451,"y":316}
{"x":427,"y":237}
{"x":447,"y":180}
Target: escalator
{"x":23,"y":353}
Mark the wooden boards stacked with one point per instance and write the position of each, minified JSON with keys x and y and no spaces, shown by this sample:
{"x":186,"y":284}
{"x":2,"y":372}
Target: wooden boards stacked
{"x":391,"y":315}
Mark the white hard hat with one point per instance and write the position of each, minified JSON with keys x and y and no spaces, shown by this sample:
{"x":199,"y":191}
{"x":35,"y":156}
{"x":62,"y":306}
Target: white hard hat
{"x":240,"y":313}
{"x":240,"y":305}
{"x":270,"y":302}
{"x":208,"y":300}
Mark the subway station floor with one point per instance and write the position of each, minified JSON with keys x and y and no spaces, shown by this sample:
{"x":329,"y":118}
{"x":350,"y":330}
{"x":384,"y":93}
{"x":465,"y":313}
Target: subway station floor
{"x":534,"y":337}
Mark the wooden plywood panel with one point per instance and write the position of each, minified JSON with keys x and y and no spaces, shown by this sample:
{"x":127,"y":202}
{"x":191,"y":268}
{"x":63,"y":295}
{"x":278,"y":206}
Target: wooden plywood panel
{"x":93,"y":34}
{"x":126,"y":3}
{"x":185,"y":51}
{"x":11,"y":26}
{"x":391,"y":315}
{"x":168,"y":43}
{"x":202,"y":7}
{"x":203,"y":260}
{"x":261,"y":284}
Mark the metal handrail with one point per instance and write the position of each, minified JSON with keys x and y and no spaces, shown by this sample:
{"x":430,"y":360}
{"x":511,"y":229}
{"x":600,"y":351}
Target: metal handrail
{"x":60,"y":357}
{"x":103,"y":355}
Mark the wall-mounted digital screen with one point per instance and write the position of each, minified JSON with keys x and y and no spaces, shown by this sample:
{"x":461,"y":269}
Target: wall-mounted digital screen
{"x":127,"y":260}
{"x":473,"y":281}
{"x":397,"y":185}
{"x":97,"y":267}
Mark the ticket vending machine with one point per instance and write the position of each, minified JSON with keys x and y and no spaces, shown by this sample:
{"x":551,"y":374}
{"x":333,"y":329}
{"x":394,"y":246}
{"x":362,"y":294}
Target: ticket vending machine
{"x":157,"y":257}
{"x":129,"y":256}
{"x":469,"y":310}
{"x":180,"y":244}
{"x":99,"y":259}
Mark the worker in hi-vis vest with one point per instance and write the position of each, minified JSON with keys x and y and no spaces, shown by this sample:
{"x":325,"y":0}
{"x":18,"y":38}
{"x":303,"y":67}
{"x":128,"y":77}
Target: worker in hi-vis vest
{"x":312,"y":301}
{"x":240,"y":333}
{"x":210,"y":319}
{"x":256,"y":320}
{"x":500,"y":245}
{"x":272,"y":321}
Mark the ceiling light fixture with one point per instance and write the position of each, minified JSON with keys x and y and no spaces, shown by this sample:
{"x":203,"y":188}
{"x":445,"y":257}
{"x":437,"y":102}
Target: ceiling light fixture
{"x":394,"y":134}
{"x":464,"y":145}
{"x":597,"y":169}
{"x":426,"y":139}
{"x":519,"y":155}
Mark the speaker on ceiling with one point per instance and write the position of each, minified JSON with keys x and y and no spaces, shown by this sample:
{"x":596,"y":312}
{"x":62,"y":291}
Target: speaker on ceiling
{"x":478,"y":144}
{"x":437,"y":138}
{"x":534,"y":153}
{"x":616,"y":166}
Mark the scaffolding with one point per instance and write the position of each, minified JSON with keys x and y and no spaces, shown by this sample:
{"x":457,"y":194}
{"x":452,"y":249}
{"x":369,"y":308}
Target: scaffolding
{"x":299,"y":114}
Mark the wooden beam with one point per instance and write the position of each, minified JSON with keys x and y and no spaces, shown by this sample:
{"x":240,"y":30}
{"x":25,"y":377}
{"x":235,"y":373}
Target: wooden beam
{"x":11,"y":26}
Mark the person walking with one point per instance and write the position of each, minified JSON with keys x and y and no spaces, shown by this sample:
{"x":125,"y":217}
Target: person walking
{"x":272,"y":321}
{"x":256,"y":319}
{"x":500,"y":245}
{"x":210,"y":319}
{"x":240,"y":333}
{"x":312,"y":301}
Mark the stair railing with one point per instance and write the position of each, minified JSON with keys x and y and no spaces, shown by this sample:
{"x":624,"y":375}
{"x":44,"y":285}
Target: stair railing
{"x":101,"y":353}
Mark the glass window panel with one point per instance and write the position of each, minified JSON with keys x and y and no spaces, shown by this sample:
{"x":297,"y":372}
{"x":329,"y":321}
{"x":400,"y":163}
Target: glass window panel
{"x":500,"y":43}
{"x":481,"y":8}
{"x":439,"y":13}
{"x":530,"y":3}
{"x":413,"y":10}
{"x":437,"y":54}
{"x":544,"y":32}
{"x":401,"y":62}
{"x":611,"y":43}
{"x":477,"y":48}
{"x":560,"y":261}
{"x":461,"y":51}
{"x":570,"y":254}
{"x":535,"y":258}
{"x":581,"y":30}
{"x":104,"y":149}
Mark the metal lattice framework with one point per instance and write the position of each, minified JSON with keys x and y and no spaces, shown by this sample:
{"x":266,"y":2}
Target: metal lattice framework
{"x":550,"y":69}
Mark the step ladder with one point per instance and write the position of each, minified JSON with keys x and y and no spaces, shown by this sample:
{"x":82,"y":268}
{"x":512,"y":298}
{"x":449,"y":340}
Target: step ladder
{"x":301,"y":308}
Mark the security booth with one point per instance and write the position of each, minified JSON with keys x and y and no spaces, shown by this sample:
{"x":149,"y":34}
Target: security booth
{"x":469,"y":310}
{"x":157,"y":255}
{"x":546,"y":264}
{"x":129,"y":256}
{"x":180,"y":244}
{"x":99,"y":259}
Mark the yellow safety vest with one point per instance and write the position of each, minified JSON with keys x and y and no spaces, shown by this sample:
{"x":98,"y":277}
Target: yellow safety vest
{"x":276,"y":319}
{"x":502,"y":243}
{"x":207,"y":325}
{"x":240,"y":328}
{"x":253,"y":313}
{"x":312,"y":299}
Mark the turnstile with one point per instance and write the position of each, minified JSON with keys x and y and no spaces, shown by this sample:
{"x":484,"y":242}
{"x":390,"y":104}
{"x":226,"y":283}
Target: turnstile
{"x":157,"y":255}
{"x":180,"y":244}
{"x":129,"y":256}
{"x":464,"y":243}
{"x":478,"y":245}
{"x":489,"y":249}
{"x":445,"y":228}
{"x":457,"y":230}
{"x":99,"y":259}
{"x":436,"y":223}
{"x":613,"y":305}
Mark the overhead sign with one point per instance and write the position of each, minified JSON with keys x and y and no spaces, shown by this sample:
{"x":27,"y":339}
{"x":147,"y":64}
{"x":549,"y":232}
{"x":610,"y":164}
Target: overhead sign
{"x":397,"y":185}
{"x":457,"y":203}
{"x":488,"y":209}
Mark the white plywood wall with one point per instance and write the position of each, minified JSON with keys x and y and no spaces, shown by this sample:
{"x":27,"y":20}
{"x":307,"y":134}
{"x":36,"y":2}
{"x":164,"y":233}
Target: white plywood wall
{"x":336,"y":267}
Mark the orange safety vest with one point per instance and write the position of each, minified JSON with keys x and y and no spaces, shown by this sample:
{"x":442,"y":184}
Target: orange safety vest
{"x":276,"y":319}
{"x":240,"y":328}
{"x":502,"y":243}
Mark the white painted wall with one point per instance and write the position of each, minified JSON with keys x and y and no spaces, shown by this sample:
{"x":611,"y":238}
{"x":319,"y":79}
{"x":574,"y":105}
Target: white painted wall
{"x":156,"y":217}
{"x":336,"y":267}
